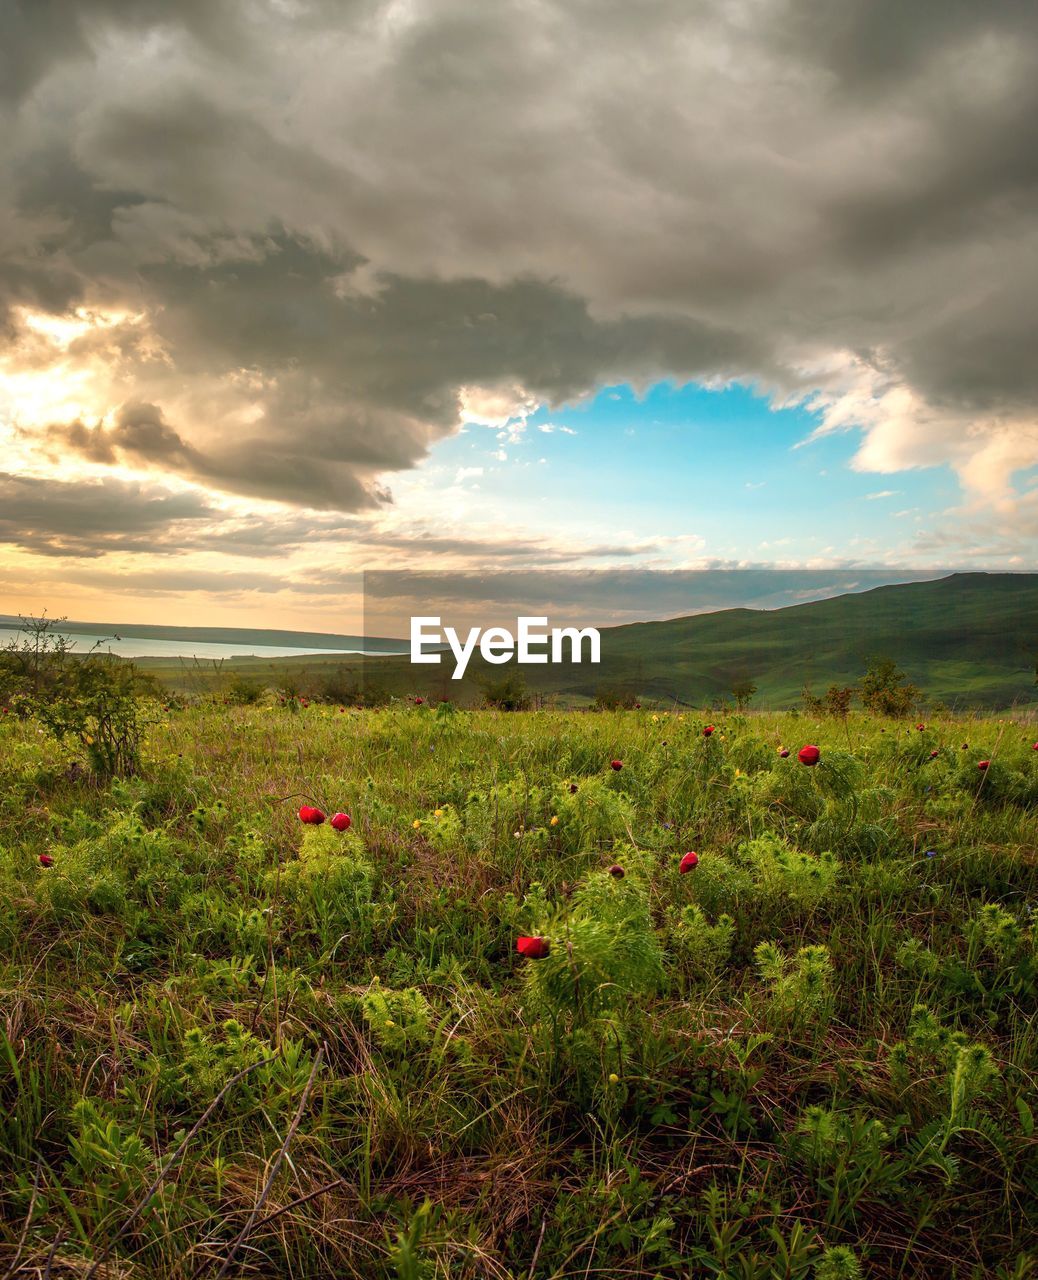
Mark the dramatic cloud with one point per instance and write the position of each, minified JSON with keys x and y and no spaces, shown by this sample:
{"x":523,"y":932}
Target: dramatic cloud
{"x":89,"y":519}
{"x":280,"y":248}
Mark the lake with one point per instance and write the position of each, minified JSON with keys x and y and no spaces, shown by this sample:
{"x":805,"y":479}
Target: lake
{"x":128,"y":645}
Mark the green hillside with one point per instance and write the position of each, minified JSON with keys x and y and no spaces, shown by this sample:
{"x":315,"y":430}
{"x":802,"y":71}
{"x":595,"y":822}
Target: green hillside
{"x":969,"y":640}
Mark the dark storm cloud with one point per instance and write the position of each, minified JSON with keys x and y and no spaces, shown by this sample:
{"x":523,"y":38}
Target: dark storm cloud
{"x":337,"y":217}
{"x":362,"y":385}
{"x":259,"y":467}
{"x":36,"y":36}
{"x":56,"y":518}
{"x":93,"y":518}
{"x":869,"y":47}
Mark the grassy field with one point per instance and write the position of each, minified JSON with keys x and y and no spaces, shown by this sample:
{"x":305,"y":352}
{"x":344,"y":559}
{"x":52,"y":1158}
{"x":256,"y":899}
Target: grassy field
{"x":232,"y":1044}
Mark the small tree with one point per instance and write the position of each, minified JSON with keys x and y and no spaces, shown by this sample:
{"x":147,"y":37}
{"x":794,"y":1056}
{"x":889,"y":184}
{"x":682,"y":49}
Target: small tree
{"x":812,"y":703}
{"x":885,"y":691}
{"x":30,"y":664}
{"x":742,"y":692}
{"x":836,"y":701}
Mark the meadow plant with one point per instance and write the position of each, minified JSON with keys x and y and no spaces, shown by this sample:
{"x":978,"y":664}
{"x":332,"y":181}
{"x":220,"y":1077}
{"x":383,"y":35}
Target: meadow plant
{"x":807,"y":1052}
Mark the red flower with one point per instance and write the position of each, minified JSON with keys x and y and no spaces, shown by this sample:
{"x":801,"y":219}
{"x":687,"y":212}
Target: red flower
{"x":532,"y":948}
{"x":784,"y":753}
{"x":983,"y":764}
{"x":617,"y":871}
{"x":687,"y":863}
{"x":708,"y":731}
{"x":1034,"y":748}
{"x":46,"y":860}
{"x":934,"y":755}
{"x":920,"y":727}
{"x":418,"y":701}
{"x":616,"y":764}
{"x":341,"y":822}
{"x":573,"y":788}
{"x":312,"y":816}
{"x":809,"y":754}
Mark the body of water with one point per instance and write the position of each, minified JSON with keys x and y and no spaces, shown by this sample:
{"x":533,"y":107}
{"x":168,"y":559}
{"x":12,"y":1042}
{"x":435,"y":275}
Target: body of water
{"x":131,"y":646}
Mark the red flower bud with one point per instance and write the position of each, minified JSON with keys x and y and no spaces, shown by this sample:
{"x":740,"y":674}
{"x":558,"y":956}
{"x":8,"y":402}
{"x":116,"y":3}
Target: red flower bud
{"x":312,"y":816}
{"x":341,"y":822}
{"x":983,"y":764}
{"x":617,"y":871}
{"x":532,"y":948}
{"x":809,"y":754}
{"x":616,"y":764}
{"x":46,"y":860}
{"x":708,"y":731}
{"x":687,"y":863}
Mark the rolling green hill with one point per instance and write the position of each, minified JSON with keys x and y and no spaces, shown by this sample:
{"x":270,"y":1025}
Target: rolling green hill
{"x":969,"y":640}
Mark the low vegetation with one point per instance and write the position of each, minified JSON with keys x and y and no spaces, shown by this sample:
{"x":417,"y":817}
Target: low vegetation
{"x":238,"y":1043}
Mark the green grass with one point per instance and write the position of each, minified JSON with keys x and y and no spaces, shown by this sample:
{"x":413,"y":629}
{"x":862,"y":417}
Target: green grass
{"x":231,"y":1044}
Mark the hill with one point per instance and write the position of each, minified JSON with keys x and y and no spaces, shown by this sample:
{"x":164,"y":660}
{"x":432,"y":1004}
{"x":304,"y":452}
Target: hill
{"x":969,"y":640}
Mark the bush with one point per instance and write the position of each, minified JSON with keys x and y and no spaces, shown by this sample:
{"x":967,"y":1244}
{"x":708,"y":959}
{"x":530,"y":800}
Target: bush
{"x":507,"y":694}
{"x":615,"y":697}
{"x":96,"y":700}
{"x":243,"y":692}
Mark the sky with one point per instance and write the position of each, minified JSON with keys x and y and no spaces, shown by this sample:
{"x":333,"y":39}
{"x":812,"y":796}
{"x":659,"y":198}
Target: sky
{"x":293,"y":289}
